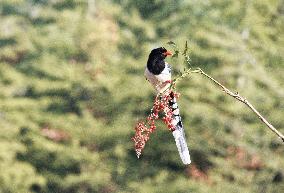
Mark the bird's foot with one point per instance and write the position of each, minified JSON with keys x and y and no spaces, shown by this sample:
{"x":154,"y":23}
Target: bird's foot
{"x":167,"y":82}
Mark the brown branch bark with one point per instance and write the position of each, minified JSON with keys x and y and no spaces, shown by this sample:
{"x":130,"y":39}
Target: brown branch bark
{"x":238,"y":97}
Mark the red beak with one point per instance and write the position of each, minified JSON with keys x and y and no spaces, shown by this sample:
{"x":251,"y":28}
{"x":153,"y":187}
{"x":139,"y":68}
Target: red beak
{"x":167,"y":53}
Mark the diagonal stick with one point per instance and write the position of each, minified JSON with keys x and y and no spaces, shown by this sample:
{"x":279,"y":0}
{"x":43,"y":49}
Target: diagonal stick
{"x":238,"y":97}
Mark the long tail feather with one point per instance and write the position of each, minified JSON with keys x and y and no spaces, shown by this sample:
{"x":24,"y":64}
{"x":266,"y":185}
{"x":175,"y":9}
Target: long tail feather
{"x":179,"y":133}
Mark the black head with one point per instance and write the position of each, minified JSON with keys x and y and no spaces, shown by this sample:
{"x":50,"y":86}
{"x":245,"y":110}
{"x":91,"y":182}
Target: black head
{"x":156,"y":63}
{"x":160,"y":53}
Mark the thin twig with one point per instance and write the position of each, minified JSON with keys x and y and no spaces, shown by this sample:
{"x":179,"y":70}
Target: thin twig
{"x":183,"y":75}
{"x":243,"y":100}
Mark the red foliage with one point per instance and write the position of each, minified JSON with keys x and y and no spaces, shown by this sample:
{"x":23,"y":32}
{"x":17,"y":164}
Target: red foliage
{"x":55,"y":135}
{"x":143,"y":131}
{"x":196,"y":173}
{"x":243,"y":159}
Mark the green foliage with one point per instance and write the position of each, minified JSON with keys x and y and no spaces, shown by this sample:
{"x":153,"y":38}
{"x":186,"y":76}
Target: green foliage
{"x":76,"y":71}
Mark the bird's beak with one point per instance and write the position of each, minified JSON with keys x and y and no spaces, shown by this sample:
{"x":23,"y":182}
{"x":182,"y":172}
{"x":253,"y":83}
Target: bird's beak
{"x":167,"y":53}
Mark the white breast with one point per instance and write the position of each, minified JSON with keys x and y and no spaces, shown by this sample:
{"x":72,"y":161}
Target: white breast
{"x":159,"y":81}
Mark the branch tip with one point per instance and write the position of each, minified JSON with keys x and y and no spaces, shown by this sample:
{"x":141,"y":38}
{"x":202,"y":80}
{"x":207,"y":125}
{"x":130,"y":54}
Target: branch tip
{"x":235,"y":95}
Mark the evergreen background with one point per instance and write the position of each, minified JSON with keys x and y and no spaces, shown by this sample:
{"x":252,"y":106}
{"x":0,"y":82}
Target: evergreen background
{"x":72,"y":89}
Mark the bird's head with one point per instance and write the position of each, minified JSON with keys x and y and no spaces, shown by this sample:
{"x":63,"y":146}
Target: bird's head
{"x":159,"y":53}
{"x":156,"y":63}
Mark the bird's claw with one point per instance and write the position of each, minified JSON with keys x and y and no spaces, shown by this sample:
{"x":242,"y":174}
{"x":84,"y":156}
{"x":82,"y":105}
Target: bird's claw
{"x":167,"y":82}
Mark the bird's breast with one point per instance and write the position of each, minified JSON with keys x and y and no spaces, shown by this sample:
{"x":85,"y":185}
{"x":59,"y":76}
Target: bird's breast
{"x":158,"y":81}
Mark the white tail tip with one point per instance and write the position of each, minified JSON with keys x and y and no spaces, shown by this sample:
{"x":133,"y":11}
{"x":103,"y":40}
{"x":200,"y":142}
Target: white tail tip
{"x":182,"y":147}
{"x":185,"y":158}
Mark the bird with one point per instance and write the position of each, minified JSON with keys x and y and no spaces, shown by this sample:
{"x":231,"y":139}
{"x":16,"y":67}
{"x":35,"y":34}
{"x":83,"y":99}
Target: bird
{"x":158,"y":73}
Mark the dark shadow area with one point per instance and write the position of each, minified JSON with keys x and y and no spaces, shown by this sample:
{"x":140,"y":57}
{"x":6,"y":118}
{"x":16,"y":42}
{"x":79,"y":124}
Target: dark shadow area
{"x":45,"y":160}
{"x":32,"y":71}
{"x":7,"y":42}
{"x":201,"y":160}
{"x":41,"y":21}
{"x":67,"y":4}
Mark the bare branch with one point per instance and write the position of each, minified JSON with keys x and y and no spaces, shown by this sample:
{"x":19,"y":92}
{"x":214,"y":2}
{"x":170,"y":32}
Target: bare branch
{"x":243,"y":100}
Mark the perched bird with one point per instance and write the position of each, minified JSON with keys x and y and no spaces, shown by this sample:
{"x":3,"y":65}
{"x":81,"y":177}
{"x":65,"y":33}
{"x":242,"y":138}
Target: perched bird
{"x":158,"y":73}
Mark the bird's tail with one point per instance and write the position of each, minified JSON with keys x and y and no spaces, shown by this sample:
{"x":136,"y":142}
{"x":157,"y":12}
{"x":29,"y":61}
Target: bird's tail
{"x":178,"y":133}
